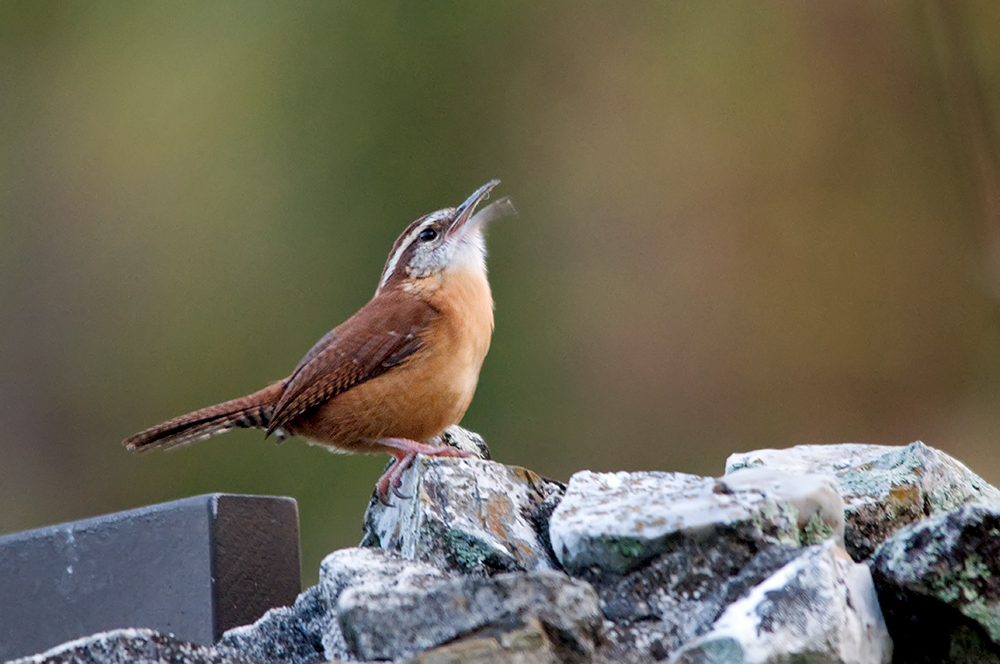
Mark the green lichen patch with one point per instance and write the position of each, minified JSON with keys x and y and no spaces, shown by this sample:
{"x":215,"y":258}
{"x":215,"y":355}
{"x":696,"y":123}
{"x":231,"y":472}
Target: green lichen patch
{"x":778,"y":523}
{"x":816,"y":530}
{"x":473,"y":555}
{"x":630,"y":548}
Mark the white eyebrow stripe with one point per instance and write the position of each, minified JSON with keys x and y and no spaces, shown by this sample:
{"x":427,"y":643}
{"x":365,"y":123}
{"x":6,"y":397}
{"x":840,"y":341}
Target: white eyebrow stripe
{"x":390,"y":265}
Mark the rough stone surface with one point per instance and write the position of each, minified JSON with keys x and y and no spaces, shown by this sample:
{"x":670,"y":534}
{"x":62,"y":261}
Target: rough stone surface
{"x":286,"y":635}
{"x":527,"y":645}
{"x":425,"y":618}
{"x":133,"y":646}
{"x":939,"y":583}
{"x":657,"y":608}
{"x":468,"y":515}
{"x":612,"y":523}
{"x":815,"y":497}
{"x":371,"y":572}
{"x":463,"y":439}
{"x":821,"y":607}
{"x":884,"y":488}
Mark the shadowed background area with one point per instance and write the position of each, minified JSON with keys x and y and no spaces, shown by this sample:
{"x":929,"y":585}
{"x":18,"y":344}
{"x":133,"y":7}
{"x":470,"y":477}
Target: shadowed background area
{"x":742,"y":226}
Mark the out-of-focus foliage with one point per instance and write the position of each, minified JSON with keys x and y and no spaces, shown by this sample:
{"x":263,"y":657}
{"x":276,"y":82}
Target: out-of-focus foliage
{"x":742,"y":225}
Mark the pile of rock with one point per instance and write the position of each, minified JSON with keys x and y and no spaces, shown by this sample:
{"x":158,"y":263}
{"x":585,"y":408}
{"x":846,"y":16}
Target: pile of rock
{"x":837,"y":553}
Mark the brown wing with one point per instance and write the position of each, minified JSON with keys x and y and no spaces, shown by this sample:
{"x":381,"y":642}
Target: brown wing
{"x":382,"y":334}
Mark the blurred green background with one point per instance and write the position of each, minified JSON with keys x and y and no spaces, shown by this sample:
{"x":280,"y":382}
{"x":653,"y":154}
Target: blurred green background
{"x":743,"y":225}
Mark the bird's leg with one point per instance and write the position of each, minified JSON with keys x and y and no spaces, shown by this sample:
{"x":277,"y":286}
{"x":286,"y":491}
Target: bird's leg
{"x":405,"y":451}
{"x":391,"y":480}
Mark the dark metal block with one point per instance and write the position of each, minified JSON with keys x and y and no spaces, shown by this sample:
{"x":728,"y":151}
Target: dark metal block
{"x":194,"y":568}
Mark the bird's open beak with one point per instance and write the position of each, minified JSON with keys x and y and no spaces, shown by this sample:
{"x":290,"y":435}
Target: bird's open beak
{"x":465,"y":216}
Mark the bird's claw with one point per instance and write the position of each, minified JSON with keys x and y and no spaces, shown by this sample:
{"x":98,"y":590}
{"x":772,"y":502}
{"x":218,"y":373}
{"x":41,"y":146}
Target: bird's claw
{"x":392,"y":479}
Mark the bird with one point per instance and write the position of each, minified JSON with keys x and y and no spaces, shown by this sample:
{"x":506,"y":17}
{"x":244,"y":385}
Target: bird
{"x":397,"y":373}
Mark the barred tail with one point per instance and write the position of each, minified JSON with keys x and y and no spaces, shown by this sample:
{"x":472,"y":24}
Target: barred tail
{"x":250,"y":412}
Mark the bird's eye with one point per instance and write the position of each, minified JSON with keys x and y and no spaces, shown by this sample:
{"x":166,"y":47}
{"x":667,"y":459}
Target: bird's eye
{"x":427,"y":235}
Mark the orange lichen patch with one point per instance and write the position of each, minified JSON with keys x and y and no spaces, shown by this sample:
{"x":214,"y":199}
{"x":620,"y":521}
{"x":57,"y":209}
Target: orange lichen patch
{"x":903,"y":497}
{"x":533,"y":479}
{"x":496,"y":512}
{"x":640,"y":525}
{"x":525,"y":551}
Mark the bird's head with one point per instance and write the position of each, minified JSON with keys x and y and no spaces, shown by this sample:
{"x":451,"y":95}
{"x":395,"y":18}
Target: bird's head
{"x":451,"y":238}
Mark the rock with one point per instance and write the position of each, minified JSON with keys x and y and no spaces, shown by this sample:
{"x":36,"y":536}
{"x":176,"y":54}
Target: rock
{"x":463,"y":439}
{"x":939,"y":584}
{"x":371,"y":572}
{"x":133,"y":646}
{"x":286,"y":635}
{"x":679,"y":595}
{"x":884,"y":488}
{"x":815,"y":497}
{"x":468,"y":515}
{"x":612,"y":523}
{"x":528,"y":645}
{"x":309,"y":631}
{"x":637,"y":643}
{"x":820,"y":607}
{"x":396,"y":622}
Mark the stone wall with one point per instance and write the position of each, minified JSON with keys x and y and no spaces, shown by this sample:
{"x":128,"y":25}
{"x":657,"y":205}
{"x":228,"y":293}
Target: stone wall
{"x":834,"y":553}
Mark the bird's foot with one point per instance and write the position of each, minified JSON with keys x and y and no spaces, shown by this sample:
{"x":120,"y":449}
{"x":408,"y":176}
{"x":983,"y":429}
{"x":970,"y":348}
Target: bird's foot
{"x":392,"y":478}
{"x":405,"y":451}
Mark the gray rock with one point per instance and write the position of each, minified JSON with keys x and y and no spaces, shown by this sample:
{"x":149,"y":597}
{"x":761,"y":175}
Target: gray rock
{"x":612,"y":523}
{"x":396,"y":622}
{"x":884,"y":488}
{"x":679,"y":595}
{"x":637,"y":643}
{"x":467,"y":515}
{"x":133,"y":646}
{"x":939,"y":584}
{"x":821,"y":607}
{"x":309,"y":631}
{"x":286,"y":635}
{"x":463,"y":439}
{"x":371,"y":572}
{"x":815,"y":497}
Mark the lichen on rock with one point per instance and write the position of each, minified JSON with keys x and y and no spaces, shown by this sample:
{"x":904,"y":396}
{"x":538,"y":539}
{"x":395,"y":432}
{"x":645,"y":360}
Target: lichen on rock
{"x":468,"y":515}
{"x":884,"y":488}
{"x":821,"y":606}
{"x":949,"y":560}
{"x":612,"y":523}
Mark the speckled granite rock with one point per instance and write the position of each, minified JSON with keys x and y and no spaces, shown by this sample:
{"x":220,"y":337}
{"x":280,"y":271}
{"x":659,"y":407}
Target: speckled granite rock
{"x":939,"y":583}
{"x":884,"y":488}
{"x":468,"y":515}
{"x":820,"y":607}
{"x":612,"y":523}
{"x":133,"y":646}
{"x":309,"y":631}
{"x":654,"y":610}
{"x":286,"y":635}
{"x":368,"y":572}
{"x":390,"y":623}
{"x":463,"y":439}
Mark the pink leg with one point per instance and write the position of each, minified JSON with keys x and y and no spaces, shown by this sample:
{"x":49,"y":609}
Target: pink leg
{"x":405,"y":451}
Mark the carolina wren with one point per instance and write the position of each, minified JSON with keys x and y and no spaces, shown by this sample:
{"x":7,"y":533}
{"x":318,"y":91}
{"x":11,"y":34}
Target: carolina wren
{"x":395,"y":374}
